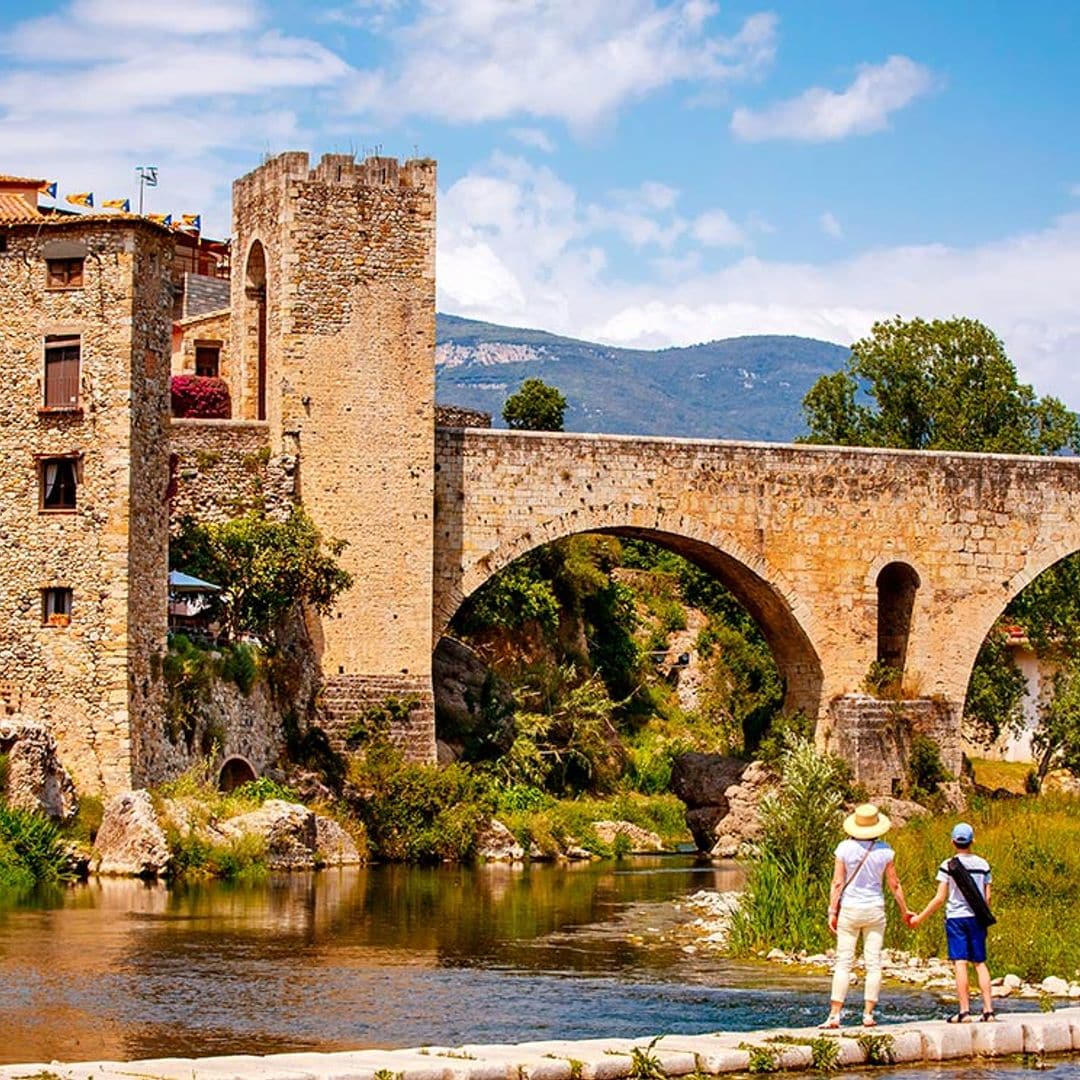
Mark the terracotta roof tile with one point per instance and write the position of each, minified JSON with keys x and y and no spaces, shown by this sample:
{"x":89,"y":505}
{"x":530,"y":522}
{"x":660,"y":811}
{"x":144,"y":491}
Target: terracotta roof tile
{"x":53,"y":221}
{"x":25,"y":181}
{"x":16,"y":208}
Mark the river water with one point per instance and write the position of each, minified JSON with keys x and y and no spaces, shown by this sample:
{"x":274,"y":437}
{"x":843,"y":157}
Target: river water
{"x":384,"y":956}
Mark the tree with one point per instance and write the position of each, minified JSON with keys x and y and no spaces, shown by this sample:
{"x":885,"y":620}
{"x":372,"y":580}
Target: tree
{"x":263,"y":567}
{"x":1057,"y":739}
{"x":940,"y":385}
{"x":535,"y":407}
{"x":948,"y":385}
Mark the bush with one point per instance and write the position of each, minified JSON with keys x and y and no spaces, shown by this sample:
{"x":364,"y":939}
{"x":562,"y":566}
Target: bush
{"x":241,"y":858}
{"x":205,"y":397}
{"x":925,"y":771}
{"x":420,"y":813}
{"x":787,"y":887}
{"x":31,"y":849}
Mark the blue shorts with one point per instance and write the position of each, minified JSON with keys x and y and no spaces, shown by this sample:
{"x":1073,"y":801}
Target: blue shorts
{"x":967,"y":939}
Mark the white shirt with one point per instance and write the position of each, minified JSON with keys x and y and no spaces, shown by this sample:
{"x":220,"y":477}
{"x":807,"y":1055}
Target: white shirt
{"x":864,"y":888}
{"x":957,"y":907}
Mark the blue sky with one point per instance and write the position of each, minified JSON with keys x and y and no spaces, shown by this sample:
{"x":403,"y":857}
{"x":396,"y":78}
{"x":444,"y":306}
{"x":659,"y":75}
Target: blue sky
{"x":642,"y":172}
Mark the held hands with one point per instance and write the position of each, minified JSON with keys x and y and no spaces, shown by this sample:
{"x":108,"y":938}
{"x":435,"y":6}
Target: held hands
{"x":912,"y":919}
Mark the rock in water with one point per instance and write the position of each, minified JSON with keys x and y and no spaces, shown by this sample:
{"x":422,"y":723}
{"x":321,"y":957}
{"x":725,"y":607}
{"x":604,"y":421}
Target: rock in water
{"x":35,"y":778}
{"x":639,"y":839}
{"x":131,"y":841}
{"x":496,"y":843}
{"x":742,"y":824}
{"x":288,"y":829}
{"x":334,"y":845}
{"x":701,"y":779}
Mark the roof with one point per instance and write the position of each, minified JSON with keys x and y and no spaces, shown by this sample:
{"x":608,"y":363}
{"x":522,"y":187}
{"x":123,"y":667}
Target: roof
{"x":66,"y":220}
{"x":22,"y":181}
{"x":186,"y":583}
{"x":16,"y":208}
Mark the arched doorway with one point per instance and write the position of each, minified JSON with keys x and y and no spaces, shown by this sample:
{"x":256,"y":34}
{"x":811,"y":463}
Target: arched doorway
{"x":255,"y":333}
{"x":235,"y":772}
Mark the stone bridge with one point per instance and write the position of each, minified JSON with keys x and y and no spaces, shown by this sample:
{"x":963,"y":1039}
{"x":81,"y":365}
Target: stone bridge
{"x":844,"y":556}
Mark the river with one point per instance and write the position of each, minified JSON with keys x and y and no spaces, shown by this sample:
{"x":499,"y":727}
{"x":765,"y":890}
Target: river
{"x":384,"y":956}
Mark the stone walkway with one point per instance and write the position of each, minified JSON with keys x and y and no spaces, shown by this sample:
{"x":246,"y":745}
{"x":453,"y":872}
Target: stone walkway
{"x":615,"y":1059}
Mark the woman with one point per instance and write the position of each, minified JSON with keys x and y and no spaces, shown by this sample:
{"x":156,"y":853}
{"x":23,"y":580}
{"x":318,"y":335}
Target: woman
{"x":857,"y":905}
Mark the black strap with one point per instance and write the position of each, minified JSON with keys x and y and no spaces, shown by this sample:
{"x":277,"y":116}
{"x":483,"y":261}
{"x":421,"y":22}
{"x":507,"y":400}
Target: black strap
{"x":970,"y":891}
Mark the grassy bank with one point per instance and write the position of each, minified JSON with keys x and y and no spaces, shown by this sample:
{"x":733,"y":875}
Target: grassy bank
{"x":1033,"y":847}
{"x":31,"y":850}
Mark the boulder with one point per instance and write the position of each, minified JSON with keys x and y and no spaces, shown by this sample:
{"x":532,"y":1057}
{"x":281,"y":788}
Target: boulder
{"x":496,"y":843}
{"x":640,"y":839}
{"x":742,"y":823}
{"x":289,"y":830}
{"x":1061,"y":782}
{"x":702,"y":824}
{"x":1055,"y":985}
{"x":130,"y":841}
{"x":953,"y":796}
{"x":35,"y":778}
{"x":702,"y":779}
{"x":334,"y":845}
{"x":900,"y":811}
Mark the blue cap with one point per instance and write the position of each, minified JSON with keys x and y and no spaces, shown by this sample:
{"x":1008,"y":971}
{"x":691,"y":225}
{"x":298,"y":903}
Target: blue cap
{"x":963,"y":834}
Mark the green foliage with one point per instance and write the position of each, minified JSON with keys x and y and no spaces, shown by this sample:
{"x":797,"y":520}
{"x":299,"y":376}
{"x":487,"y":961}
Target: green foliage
{"x":824,"y":1049}
{"x":939,"y":385}
{"x":763,"y":1059}
{"x":518,"y":595}
{"x":742,"y":691}
{"x":242,"y":858}
{"x":264,"y":568}
{"x":925,"y":770}
{"x":420,"y":813}
{"x":535,"y":407}
{"x":376,"y":722}
{"x":996,"y":690}
{"x":645,"y":1064}
{"x":787,"y":885}
{"x":884,"y":681}
{"x":260,"y":789}
{"x":83,"y":827}
{"x":31,"y":850}
{"x":785,"y":729}
{"x":1057,"y":739}
{"x":240,"y":664}
{"x":877,"y":1046}
{"x":3,"y":776}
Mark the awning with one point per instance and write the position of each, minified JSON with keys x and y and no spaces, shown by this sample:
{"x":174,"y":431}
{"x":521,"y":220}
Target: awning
{"x":182,"y":583}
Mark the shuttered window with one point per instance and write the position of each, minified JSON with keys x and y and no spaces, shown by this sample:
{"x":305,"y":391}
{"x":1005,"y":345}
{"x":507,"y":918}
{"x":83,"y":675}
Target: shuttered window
{"x":64,"y":273}
{"x":62,"y":372}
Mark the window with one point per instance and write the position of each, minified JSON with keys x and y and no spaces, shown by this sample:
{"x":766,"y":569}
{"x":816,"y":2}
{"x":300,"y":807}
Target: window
{"x":64,"y":273}
{"x":62,"y":372}
{"x":59,"y":480}
{"x":207,"y":359}
{"x":55,"y":606}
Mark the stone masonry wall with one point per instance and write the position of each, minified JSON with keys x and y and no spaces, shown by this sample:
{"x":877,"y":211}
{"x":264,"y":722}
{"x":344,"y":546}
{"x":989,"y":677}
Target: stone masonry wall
{"x":224,"y":468}
{"x":350,"y":307}
{"x":92,"y":682}
{"x":799,"y":533}
{"x":457,"y":416}
{"x":213,"y":328}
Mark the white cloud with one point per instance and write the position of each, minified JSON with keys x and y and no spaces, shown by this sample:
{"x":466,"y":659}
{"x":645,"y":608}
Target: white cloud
{"x":830,"y":226}
{"x":1074,"y":191}
{"x":820,"y":115}
{"x":469,"y":61}
{"x":534,"y":137}
{"x":715,"y":229}
{"x":545,"y":267}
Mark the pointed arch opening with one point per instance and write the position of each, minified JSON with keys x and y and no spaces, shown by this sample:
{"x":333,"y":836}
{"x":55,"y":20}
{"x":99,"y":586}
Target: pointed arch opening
{"x":255,"y":333}
{"x":897,"y":585}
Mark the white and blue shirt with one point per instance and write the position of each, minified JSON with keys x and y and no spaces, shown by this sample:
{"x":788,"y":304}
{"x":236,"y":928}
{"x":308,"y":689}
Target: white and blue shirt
{"x":957,"y":907}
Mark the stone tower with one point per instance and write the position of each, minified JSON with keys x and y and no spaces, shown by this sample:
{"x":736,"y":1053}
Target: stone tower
{"x":333,"y":331}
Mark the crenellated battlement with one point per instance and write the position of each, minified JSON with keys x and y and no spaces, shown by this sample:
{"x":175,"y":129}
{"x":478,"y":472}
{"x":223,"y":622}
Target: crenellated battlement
{"x":338,"y":170}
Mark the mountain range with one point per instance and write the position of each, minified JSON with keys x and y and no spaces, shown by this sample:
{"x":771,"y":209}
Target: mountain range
{"x":748,"y":388}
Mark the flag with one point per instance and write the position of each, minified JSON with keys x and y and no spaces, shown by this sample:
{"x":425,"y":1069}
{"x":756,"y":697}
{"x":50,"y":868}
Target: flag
{"x":161,"y":219}
{"x":48,"y":188}
{"x":148,"y":175}
{"x":191,"y":221}
{"x":82,"y":198}
{"x":118,"y":204}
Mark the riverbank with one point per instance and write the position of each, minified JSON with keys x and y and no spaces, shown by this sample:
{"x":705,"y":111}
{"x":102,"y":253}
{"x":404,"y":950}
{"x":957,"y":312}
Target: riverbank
{"x":1037,"y":1035}
{"x":712,"y":917}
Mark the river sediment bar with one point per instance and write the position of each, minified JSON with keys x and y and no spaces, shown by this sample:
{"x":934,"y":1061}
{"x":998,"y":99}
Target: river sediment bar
{"x":778,"y":1049}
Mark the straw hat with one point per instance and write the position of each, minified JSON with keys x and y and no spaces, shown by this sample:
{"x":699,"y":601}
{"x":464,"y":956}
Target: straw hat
{"x":866,"y":823}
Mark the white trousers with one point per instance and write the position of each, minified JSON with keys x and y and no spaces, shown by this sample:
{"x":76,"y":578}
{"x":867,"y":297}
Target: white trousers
{"x":870,"y":922}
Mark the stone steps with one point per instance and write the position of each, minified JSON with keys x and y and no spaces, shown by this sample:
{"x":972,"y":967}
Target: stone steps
{"x":608,"y":1059}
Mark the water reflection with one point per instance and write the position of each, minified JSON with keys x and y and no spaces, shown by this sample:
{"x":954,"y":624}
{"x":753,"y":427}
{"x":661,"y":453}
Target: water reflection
{"x":387,"y":956}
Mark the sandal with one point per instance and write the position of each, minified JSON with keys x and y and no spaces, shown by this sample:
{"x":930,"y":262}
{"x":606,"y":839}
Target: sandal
{"x":989,"y":1017}
{"x":959,"y":1018}
{"x":869,"y":1021}
{"x":831,"y":1024}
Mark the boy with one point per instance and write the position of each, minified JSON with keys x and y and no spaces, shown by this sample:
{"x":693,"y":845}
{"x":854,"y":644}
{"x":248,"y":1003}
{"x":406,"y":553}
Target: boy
{"x":966,"y":934}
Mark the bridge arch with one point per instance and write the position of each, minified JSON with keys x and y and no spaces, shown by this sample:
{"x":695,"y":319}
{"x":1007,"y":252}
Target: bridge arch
{"x":784,"y":620}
